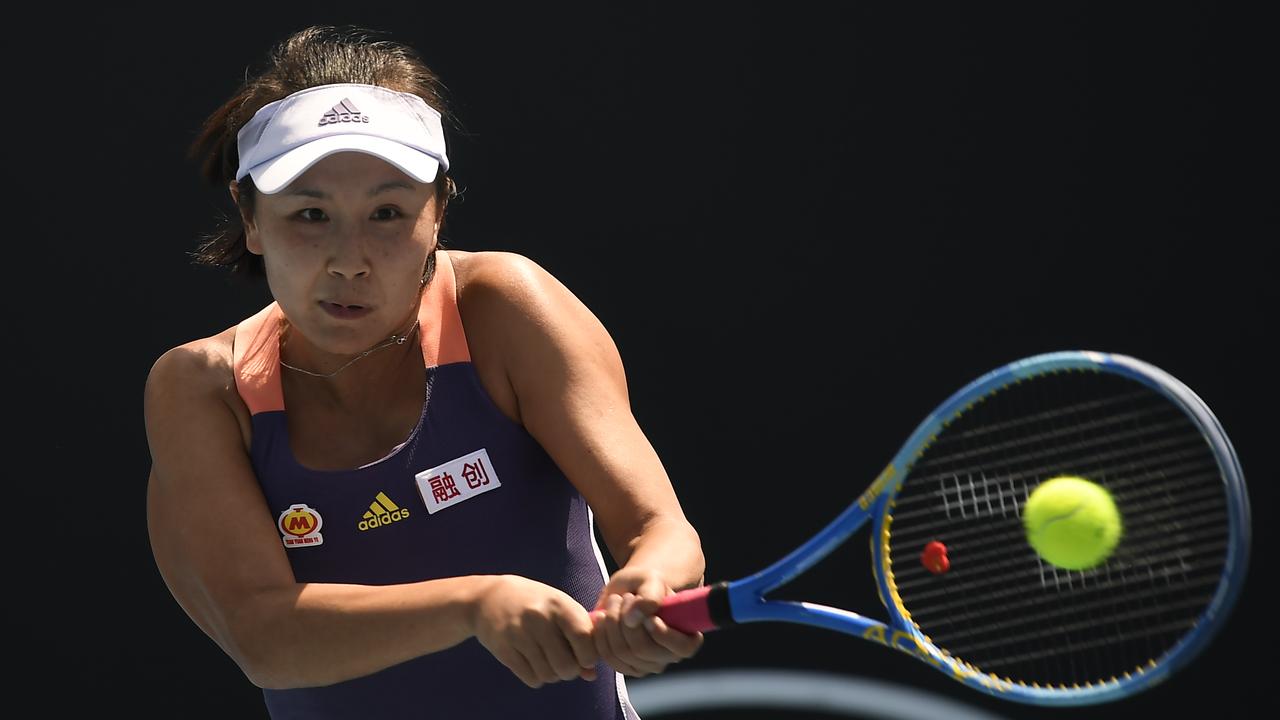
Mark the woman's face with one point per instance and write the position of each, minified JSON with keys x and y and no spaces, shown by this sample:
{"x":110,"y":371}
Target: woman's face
{"x":353,"y":230}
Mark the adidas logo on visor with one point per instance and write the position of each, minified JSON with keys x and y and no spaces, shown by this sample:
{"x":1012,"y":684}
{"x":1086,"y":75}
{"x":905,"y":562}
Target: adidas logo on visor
{"x":344,"y":111}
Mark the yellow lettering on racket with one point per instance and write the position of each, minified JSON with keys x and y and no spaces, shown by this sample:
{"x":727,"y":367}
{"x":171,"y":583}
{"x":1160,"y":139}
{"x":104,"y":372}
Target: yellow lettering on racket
{"x":963,"y":672}
{"x":900,"y":640}
{"x":910,"y":644}
{"x":877,"y":487}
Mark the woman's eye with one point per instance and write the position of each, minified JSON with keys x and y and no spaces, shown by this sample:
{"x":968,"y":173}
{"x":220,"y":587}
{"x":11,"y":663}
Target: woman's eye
{"x":314,"y":215}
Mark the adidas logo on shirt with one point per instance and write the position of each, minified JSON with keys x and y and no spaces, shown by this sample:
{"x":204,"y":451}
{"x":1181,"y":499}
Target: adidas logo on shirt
{"x":382,"y":512}
{"x":344,"y":111}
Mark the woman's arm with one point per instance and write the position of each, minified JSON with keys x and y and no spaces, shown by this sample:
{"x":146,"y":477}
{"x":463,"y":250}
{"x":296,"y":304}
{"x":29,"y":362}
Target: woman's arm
{"x":217,"y":547}
{"x":568,"y":379}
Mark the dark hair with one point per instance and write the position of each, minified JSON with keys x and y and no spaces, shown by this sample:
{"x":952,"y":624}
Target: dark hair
{"x":317,"y":55}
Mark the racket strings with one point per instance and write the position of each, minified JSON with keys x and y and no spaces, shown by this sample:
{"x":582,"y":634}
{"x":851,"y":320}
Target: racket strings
{"x":1021,"y":632}
{"x":990,"y":545}
{"x":1206,"y":543}
{"x":1074,"y":649}
{"x":1127,"y":472}
{"x":982,"y":543}
{"x":965,"y":496}
{"x":1001,"y":607}
{"x":1052,"y":445}
{"x":1103,"y":405}
{"x":1047,"y":606}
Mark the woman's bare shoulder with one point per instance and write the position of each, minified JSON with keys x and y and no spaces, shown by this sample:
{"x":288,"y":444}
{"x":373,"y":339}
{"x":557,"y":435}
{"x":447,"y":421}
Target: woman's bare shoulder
{"x":491,"y":270}
{"x":193,"y":375}
{"x":503,"y":283}
{"x":204,"y":364}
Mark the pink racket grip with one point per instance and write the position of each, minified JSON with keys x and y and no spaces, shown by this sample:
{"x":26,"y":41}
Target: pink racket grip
{"x":699,"y":609}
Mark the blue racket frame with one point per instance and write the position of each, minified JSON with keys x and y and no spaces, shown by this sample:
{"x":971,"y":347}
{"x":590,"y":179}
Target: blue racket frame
{"x":747,"y":604}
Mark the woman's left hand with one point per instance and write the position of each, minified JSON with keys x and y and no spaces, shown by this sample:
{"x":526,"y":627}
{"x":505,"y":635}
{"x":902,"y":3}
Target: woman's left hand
{"x":628,"y":633}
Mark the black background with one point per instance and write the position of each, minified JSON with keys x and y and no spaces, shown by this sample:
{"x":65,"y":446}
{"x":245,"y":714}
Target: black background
{"x":804,"y":226}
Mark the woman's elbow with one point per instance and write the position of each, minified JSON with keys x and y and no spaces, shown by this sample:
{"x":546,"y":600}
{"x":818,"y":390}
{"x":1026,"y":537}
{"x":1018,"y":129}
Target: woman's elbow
{"x":261,"y":656}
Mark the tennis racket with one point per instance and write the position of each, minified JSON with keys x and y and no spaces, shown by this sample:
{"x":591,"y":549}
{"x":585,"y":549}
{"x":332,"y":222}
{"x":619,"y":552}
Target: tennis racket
{"x":1000,"y":619}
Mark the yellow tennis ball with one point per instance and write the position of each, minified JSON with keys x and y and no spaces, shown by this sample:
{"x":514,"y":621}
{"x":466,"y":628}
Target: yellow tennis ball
{"x":1072,"y":523}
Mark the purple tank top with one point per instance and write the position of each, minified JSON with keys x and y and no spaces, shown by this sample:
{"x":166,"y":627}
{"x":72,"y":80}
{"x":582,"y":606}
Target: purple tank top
{"x":469,"y":492}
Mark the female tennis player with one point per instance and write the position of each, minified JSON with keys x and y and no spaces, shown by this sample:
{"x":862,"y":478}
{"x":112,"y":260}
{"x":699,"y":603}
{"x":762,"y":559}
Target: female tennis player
{"x":377,"y":493}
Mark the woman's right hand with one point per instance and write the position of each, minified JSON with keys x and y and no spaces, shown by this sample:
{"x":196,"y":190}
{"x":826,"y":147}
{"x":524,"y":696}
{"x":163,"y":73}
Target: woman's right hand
{"x":539,"y":632}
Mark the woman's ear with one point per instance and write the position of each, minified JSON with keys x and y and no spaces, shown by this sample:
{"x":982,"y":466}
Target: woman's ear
{"x":252,"y":241}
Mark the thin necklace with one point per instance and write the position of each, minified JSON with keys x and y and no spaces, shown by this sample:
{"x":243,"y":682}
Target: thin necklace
{"x":393,"y":340}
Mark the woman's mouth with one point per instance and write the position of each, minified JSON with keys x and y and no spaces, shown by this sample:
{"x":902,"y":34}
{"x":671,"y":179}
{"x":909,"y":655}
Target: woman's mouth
{"x":344,"y":312}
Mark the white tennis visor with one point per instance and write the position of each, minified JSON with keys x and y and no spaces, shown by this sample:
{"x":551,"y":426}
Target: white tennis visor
{"x":288,"y":136}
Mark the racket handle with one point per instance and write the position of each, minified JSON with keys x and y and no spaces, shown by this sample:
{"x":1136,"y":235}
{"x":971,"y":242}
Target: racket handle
{"x":697,"y":609}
